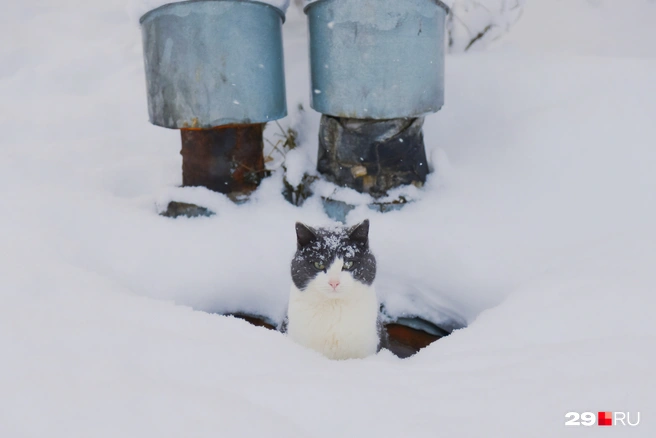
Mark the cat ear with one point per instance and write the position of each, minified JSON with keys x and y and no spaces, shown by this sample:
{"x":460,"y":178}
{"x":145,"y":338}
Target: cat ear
{"x":304,"y":235}
{"x":360,"y":232}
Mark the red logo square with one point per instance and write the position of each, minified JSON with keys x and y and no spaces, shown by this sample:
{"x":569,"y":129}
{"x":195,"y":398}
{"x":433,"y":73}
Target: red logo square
{"x":605,"y":418}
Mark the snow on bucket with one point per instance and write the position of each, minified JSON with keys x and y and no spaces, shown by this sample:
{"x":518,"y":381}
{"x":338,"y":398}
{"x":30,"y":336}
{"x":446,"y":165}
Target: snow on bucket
{"x":373,"y":59}
{"x":211,"y":63}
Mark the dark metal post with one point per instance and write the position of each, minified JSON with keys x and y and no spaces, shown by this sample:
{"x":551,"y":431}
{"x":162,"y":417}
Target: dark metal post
{"x":372,"y":156}
{"x":375,"y":74}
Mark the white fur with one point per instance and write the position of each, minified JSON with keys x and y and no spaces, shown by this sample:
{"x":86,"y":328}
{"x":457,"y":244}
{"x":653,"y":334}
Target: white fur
{"x":339,"y":323}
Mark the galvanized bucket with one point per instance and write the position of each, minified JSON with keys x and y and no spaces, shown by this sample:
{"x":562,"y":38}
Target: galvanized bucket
{"x":377,"y":59}
{"x":214,"y":62}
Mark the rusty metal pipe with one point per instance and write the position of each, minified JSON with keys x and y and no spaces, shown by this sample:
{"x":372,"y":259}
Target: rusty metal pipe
{"x":227,"y":159}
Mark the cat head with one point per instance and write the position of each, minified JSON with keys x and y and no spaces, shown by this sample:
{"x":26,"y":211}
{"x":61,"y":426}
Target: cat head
{"x":332,"y":261}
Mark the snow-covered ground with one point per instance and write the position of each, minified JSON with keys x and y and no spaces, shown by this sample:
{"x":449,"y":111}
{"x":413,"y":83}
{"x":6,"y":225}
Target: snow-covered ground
{"x":537,"y":227}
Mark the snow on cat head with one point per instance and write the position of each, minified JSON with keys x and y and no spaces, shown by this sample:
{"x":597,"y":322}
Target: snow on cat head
{"x":333,"y":308}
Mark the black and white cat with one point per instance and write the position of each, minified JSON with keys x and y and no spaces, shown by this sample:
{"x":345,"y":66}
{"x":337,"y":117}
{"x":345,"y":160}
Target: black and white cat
{"x":333,"y":307}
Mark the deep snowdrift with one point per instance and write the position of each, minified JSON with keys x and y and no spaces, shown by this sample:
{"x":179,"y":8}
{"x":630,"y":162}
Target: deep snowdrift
{"x":537,"y":227}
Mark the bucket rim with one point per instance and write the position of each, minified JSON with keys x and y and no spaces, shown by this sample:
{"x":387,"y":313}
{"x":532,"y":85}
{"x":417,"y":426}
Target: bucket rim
{"x":174,"y":3}
{"x":437,"y":2}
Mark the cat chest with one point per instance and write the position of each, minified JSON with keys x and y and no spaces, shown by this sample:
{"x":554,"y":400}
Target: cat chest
{"x":337,"y":328}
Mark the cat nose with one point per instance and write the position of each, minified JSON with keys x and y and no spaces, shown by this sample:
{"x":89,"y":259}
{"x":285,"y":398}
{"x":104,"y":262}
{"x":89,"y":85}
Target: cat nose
{"x":334,"y":283}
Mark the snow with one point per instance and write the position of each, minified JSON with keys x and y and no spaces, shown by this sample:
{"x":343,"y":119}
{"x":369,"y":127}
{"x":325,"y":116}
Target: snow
{"x":587,"y":27}
{"x":297,"y":163}
{"x":137,"y":8}
{"x":536,"y":228}
{"x":475,"y":24}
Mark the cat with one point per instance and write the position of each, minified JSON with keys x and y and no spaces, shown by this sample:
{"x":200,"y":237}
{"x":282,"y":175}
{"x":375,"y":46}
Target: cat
{"x":333,"y":307}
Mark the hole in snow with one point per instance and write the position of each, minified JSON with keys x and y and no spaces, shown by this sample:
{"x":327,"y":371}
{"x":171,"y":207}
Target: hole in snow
{"x":406,"y":336}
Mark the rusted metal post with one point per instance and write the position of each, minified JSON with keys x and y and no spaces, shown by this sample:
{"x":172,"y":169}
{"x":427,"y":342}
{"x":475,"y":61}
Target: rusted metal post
{"x":227,"y":159}
{"x":214,"y":70}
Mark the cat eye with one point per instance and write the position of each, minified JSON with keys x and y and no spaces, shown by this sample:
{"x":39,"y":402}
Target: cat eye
{"x":319,"y":266}
{"x":348,"y":264}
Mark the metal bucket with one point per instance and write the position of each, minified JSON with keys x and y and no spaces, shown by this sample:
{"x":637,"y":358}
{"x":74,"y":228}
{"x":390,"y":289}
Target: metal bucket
{"x":214,"y":62}
{"x":374,"y":59}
